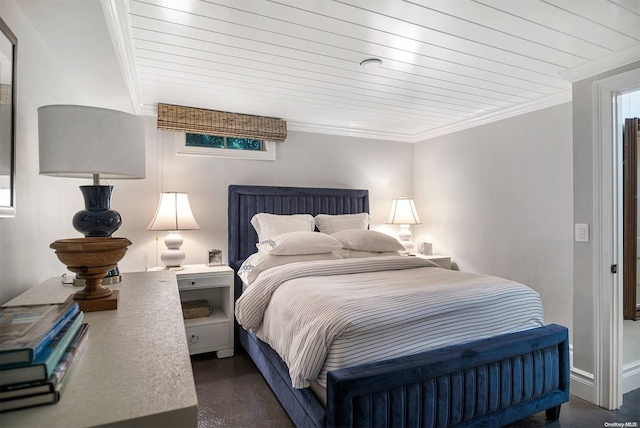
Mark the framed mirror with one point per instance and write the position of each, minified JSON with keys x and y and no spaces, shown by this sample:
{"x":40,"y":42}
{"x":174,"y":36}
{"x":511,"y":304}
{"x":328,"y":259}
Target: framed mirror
{"x":8,"y":60}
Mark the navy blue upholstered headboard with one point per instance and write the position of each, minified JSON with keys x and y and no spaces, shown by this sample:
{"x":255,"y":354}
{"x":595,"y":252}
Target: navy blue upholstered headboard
{"x":246,"y":201}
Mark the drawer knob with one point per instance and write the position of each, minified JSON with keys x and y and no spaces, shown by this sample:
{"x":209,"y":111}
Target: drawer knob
{"x":193,"y":338}
{"x":193,"y":283}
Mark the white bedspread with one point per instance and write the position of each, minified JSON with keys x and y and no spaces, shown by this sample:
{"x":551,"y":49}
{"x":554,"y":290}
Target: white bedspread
{"x":325,"y":315}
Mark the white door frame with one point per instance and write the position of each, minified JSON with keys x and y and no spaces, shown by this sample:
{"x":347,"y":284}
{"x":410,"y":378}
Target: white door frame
{"x":607,"y":234}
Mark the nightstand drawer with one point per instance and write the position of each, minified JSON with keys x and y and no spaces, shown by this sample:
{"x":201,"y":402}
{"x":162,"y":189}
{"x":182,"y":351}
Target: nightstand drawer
{"x":208,"y":336}
{"x":204,"y":282}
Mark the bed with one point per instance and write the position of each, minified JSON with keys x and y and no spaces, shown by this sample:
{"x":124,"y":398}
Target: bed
{"x":488,"y":382}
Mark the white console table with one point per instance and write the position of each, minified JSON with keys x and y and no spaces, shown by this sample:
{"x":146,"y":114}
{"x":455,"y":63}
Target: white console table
{"x":135,"y":369}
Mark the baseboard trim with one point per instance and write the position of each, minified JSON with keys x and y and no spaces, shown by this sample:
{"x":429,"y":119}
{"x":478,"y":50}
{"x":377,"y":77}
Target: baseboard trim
{"x":631,"y":376}
{"x":582,"y":384}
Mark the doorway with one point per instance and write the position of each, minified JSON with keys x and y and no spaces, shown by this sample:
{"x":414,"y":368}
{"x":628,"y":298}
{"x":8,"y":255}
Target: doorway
{"x":608,"y":238}
{"x":628,"y":110}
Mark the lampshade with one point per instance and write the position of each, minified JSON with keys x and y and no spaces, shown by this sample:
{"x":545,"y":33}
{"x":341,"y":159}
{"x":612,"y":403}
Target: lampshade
{"x":403,"y":211}
{"x":87,"y":142}
{"x":80,"y":141}
{"x":174,"y":213}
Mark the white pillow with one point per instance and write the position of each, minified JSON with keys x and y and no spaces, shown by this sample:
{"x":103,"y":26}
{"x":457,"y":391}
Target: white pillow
{"x":299,"y":243}
{"x":270,"y":225}
{"x":259,"y":262}
{"x":335,"y":223}
{"x":367,"y":240}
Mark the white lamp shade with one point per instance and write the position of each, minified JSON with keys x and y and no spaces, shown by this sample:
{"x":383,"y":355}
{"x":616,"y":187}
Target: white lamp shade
{"x":403,"y":211}
{"x":79,"y":141}
{"x":174,"y":213}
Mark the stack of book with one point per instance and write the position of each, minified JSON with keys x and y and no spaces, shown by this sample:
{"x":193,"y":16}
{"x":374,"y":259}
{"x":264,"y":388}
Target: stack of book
{"x":38,"y":344}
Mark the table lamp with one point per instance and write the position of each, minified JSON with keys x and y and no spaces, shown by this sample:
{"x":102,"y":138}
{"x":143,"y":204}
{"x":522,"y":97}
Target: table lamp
{"x":91,"y":142}
{"x":173,"y":215}
{"x":403,"y":212}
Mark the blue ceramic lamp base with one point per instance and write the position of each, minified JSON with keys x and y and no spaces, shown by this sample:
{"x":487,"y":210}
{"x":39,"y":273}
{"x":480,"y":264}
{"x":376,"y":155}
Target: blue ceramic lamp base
{"x":98,"y":220}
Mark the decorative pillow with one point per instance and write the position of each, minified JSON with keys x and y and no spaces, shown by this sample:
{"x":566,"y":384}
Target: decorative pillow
{"x":367,"y":240}
{"x":335,"y":223}
{"x":270,"y":225}
{"x":355,"y":254}
{"x":259,"y":262}
{"x":299,"y":243}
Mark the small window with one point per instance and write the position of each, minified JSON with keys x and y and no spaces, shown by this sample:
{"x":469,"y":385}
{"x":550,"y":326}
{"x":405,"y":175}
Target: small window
{"x":243,"y":144}
{"x":229,"y":147}
{"x":199,"y":140}
{"x":219,"y":142}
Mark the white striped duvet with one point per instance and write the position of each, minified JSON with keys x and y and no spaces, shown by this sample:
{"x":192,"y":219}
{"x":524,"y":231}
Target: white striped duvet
{"x":325,"y":315}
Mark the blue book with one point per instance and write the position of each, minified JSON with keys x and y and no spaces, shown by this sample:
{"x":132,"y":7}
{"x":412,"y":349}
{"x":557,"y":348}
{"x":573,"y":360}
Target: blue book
{"x":27,"y":330}
{"x":43,"y":367}
{"x":49,"y":391}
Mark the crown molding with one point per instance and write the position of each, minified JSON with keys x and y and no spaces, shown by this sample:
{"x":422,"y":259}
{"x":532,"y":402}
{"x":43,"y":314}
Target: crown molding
{"x":118,"y":23}
{"x":574,"y":74}
{"x":117,"y":17}
{"x":152,"y":110}
{"x":349,"y":132}
{"x":602,"y":65}
{"x":148,"y":109}
{"x":539,"y":104}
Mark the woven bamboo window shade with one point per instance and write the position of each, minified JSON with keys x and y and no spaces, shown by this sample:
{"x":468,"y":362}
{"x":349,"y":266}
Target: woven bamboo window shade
{"x":211,"y":122}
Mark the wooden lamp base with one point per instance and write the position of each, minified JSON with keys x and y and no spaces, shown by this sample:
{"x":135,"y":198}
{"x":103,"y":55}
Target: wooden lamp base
{"x":91,"y":259}
{"x":103,"y":304}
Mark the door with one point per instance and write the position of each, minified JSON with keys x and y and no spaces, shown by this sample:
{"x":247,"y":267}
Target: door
{"x":630,"y":219}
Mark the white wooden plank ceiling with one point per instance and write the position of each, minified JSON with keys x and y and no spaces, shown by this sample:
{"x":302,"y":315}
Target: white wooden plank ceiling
{"x":443,"y":62}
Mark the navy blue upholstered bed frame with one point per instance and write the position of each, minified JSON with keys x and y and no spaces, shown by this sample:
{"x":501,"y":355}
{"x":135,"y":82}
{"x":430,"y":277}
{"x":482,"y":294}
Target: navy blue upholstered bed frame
{"x":491,"y":382}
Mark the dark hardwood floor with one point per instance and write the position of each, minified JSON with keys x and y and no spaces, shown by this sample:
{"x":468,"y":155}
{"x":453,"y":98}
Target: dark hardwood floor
{"x":232,"y":393}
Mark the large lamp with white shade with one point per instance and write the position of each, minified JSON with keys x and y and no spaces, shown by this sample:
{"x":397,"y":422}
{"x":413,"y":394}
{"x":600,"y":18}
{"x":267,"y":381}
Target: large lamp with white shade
{"x":90,"y":142}
{"x":403,"y":212}
{"x":173,"y":215}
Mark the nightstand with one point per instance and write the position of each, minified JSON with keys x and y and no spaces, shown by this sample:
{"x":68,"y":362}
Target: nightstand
{"x":442,"y":261}
{"x":215,"y":285}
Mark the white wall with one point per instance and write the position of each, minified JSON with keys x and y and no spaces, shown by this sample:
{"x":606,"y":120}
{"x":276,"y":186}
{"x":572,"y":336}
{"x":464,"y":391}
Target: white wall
{"x":304,"y":159}
{"x":498,"y":199}
{"x":25,"y":259}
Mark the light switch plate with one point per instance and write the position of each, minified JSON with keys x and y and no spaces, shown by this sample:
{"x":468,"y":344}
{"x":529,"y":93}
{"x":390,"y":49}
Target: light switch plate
{"x":582,"y":232}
